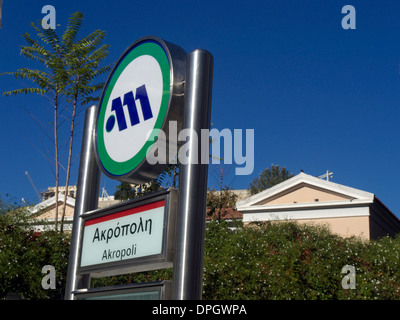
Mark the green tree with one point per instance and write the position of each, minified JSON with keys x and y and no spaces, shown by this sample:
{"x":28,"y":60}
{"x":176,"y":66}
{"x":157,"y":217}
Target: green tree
{"x":70,"y":67}
{"x":268,"y":178}
{"x":24,"y":251}
{"x":219,"y":203}
{"x":124,"y":191}
{"x":166,"y":179}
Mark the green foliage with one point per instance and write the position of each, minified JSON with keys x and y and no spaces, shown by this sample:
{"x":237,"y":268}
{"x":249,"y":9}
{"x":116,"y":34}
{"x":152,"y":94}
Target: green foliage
{"x":69,"y":68}
{"x":286,"y":260}
{"x":268,"y":261}
{"x":268,"y":178}
{"x":292,"y":261}
{"x":124,"y":191}
{"x":70,"y":64}
{"x":220,"y":202}
{"x":23,"y":254}
{"x":166,"y":179}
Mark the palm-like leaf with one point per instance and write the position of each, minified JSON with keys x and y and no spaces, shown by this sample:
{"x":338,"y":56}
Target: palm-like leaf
{"x":70,"y":68}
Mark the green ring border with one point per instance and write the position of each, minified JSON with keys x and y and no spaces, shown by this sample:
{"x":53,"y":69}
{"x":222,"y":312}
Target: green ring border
{"x":156,"y":50}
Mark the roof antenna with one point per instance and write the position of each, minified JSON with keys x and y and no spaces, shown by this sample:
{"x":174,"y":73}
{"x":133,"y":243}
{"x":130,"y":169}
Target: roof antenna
{"x":326,"y":175}
{"x":104,"y":194}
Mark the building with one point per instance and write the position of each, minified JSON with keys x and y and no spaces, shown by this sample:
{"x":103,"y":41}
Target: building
{"x":307,"y":199}
{"x":44,"y":212}
{"x":51,"y":192}
{"x":303,"y":198}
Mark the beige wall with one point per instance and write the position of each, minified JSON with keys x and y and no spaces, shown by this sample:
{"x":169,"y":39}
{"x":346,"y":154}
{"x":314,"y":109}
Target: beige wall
{"x":51,"y":214}
{"x":345,"y":227}
{"x":304,"y":194}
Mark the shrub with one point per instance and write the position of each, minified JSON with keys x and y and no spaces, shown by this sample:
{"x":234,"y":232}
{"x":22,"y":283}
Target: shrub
{"x":268,"y":261}
{"x":286,"y":260}
{"x":23,"y":254}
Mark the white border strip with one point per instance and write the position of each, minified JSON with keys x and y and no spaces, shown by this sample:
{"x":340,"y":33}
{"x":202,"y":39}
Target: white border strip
{"x":306,"y":214}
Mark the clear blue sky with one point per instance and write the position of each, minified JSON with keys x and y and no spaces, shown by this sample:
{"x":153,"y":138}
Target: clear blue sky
{"x":318,"y":97}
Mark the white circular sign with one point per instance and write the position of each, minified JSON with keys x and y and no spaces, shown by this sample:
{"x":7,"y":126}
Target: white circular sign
{"x":143,"y":72}
{"x":134,"y":106}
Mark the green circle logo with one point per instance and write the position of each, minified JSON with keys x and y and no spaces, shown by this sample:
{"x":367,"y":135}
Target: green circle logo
{"x":133,"y":107}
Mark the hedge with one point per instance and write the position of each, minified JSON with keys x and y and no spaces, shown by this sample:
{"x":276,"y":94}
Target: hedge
{"x":266,"y":261}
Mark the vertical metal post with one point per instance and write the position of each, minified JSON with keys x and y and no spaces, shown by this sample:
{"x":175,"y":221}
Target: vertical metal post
{"x":87,"y":197}
{"x":188,"y":264}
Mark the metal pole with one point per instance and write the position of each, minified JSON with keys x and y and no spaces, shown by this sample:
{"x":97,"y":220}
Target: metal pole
{"x":87,"y":197}
{"x":188,"y":261}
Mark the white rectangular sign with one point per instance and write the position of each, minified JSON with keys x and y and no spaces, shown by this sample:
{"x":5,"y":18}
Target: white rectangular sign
{"x":131,"y":233}
{"x":133,"y":236}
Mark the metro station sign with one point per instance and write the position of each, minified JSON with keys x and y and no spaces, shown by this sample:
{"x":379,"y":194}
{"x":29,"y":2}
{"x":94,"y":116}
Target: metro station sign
{"x":143,"y":93}
{"x":132,"y":237}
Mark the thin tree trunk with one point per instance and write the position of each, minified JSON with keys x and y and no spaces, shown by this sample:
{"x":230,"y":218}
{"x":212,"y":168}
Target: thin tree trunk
{"x":71,"y":139}
{"x":56,"y":154}
{"x":174,"y":176}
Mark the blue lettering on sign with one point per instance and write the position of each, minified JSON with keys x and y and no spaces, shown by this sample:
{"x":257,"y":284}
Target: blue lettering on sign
{"x":141,"y":94}
{"x":129,"y":100}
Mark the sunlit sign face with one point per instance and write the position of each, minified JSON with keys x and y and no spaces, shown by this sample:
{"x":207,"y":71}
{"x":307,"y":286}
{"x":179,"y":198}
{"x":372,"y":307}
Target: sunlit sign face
{"x":134,"y":106}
